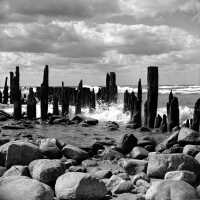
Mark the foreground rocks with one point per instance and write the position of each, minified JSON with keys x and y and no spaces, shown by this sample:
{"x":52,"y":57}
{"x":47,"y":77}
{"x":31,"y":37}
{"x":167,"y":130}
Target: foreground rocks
{"x":79,"y":185}
{"x":24,"y":188}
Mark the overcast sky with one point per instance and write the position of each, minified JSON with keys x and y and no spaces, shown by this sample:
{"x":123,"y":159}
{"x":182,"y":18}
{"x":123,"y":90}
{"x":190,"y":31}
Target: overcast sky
{"x":84,"y":39}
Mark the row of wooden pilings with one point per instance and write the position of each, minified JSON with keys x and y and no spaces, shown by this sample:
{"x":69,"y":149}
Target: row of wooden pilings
{"x":84,"y":97}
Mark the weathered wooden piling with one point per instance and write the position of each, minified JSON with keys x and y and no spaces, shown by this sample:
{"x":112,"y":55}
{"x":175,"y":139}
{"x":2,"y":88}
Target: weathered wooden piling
{"x":187,"y":123}
{"x":44,"y":90}
{"x":113,"y":88}
{"x":78,"y":97}
{"x":5,"y":92}
{"x":107,"y":94}
{"x":139,"y":104}
{"x":17,"y":95}
{"x":65,"y":101}
{"x":172,"y":112}
{"x":31,"y":105}
{"x":152,"y":95}
{"x":126,"y":101}
{"x":1,"y":97}
{"x":158,"y":121}
{"x":55,"y":103}
{"x":163,"y":127}
{"x":92,"y":101}
{"x":11,"y":86}
{"x":196,"y":116}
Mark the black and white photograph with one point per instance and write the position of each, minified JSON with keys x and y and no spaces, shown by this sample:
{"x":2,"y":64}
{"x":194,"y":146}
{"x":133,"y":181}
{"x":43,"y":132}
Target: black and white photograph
{"x":99,"y":99}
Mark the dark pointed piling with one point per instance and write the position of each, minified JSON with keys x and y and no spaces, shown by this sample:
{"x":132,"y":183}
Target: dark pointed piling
{"x":113,"y":88}
{"x":133,"y":100}
{"x":196,"y":116}
{"x":64,"y":101}
{"x":187,"y":123}
{"x":11,"y":86}
{"x":5,"y":92}
{"x":158,"y":121}
{"x":152,"y":95}
{"x":31,"y":105}
{"x":17,"y":96}
{"x":107,"y":95}
{"x":191,"y":122}
{"x":44,"y":93}
{"x":172,"y":112}
{"x":139,"y":106}
{"x":55,"y":103}
{"x":79,"y":97}
{"x":92,"y":101}
{"x":126,"y":101}
{"x":1,"y":97}
{"x":145,"y":114}
{"x":163,"y":127}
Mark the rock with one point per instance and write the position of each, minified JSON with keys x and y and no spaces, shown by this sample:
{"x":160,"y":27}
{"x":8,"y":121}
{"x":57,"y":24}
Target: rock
{"x":2,"y":170}
{"x":174,"y":149}
{"x":133,"y":166}
{"x":140,"y":176}
{"x":139,"y":153}
{"x":142,"y":186}
{"x":113,"y":183}
{"x":197,"y":157}
{"x":101,"y":174}
{"x":89,"y":163}
{"x":112,"y":126}
{"x":170,"y":189}
{"x":4,"y":140}
{"x":77,"y":169}
{"x":127,"y":143}
{"x":110,"y":154}
{"x":24,"y":188}
{"x":168,"y":142}
{"x":123,"y":187}
{"x":78,"y":185}
{"x":88,"y":120}
{"x":146,"y":140}
{"x":68,"y":163}
{"x":188,"y":136}
{"x":17,"y":170}
{"x":45,"y":170}
{"x":73,"y":152}
{"x":186,"y":176}
{"x":49,"y":148}
{"x":191,"y":150}
{"x":128,"y":196}
{"x":19,"y":153}
{"x":159,"y":164}
{"x":198,"y":190}
{"x":91,"y":121}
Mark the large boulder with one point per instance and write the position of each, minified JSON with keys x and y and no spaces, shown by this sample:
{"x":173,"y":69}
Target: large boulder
{"x":173,"y":190}
{"x":18,"y":153}
{"x":159,"y":164}
{"x":49,"y":147}
{"x":127,"y":143}
{"x":188,"y":136}
{"x":77,"y":185}
{"x":45,"y":170}
{"x":73,"y":152}
{"x":184,"y":175}
{"x":17,"y":170}
{"x":23,"y":188}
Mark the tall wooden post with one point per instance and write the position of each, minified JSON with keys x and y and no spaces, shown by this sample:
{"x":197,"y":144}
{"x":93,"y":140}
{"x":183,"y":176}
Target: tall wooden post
{"x":92,"y":101}
{"x":5,"y":92}
{"x":11,"y":86}
{"x":31,"y":105}
{"x":17,"y":96}
{"x":79,"y":97}
{"x":196,"y":116}
{"x":1,"y":97}
{"x":55,"y":103}
{"x":139,"y":108}
{"x":65,"y":101}
{"x":44,"y":93}
{"x":152,"y":95}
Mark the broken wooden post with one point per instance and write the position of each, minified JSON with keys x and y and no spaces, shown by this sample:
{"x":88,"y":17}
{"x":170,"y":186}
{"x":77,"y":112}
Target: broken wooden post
{"x":55,"y":103}
{"x":196,"y":116}
{"x":44,"y":94}
{"x":5,"y":92}
{"x":139,"y":104}
{"x":112,"y":88}
{"x":64,"y":101}
{"x":158,"y":121}
{"x":78,"y":97}
{"x":31,"y":105}
{"x":152,"y":95}
{"x":17,"y":96}
{"x":11,"y":86}
{"x":126,"y":101}
{"x":92,"y":101}
{"x":172,"y":112}
{"x":1,"y":97}
{"x":163,"y":127}
{"x":107,"y":95}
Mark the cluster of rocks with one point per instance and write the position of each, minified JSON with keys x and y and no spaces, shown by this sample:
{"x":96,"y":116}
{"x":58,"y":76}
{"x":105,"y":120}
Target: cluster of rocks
{"x":134,"y":168}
